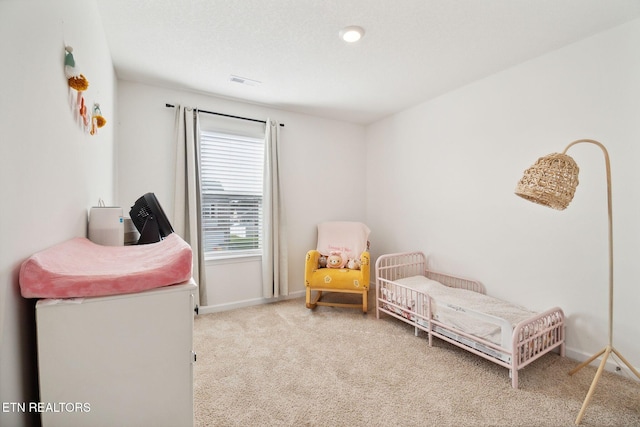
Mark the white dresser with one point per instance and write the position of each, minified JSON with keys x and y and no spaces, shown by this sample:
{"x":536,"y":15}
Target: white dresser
{"x":123,"y":360}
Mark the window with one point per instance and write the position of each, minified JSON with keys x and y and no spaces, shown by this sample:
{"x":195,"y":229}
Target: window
{"x":231,"y":182}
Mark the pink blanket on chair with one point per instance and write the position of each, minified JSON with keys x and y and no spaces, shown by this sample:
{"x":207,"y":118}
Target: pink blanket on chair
{"x":81,"y":268}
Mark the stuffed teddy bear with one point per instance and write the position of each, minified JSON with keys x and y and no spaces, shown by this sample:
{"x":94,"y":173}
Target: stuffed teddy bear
{"x":336,"y":260}
{"x":322,"y":261}
{"x":353,"y":264}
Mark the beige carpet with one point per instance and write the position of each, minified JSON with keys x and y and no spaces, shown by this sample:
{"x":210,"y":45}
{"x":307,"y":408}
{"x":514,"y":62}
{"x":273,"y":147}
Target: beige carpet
{"x":281,"y":364}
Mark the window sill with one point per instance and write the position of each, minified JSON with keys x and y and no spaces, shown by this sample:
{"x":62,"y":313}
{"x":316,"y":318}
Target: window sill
{"x":232,"y":259}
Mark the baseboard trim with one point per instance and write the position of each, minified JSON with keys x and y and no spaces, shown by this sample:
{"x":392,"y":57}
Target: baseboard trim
{"x":246,"y":303}
{"x":206,"y":309}
{"x":613,"y":364}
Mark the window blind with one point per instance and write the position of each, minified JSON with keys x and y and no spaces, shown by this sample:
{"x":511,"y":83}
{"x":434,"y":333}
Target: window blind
{"x":231,"y":181}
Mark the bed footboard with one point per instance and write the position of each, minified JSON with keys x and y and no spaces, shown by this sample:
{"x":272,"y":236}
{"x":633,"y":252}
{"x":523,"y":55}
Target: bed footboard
{"x":534,"y":337}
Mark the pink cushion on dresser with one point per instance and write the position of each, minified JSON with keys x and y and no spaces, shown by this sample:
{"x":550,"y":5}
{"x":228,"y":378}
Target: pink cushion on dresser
{"x":81,"y":268}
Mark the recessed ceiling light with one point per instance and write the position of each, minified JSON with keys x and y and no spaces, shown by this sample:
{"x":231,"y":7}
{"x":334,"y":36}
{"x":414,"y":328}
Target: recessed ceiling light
{"x":352,"y":33}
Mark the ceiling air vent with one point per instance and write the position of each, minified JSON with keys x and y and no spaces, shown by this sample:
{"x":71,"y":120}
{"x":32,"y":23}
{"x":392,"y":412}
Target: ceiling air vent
{"x":243,"y":80}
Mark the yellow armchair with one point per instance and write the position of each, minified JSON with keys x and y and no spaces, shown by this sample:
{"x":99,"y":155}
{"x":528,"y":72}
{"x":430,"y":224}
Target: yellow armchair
{"x":321,"y":279}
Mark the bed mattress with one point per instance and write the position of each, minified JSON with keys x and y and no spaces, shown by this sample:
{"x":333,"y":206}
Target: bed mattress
{"x":452,"y":306}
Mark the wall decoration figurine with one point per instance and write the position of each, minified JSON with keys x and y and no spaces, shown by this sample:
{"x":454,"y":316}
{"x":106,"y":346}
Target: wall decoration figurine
{"x":82,"y":110}
{"x":97,"y":119}
{"x":89,"y":120}
{"x":76,"y":80}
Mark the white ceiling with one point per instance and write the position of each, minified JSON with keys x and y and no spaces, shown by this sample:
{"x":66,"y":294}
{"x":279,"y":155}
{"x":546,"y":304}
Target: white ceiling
{"x":413,"y":50}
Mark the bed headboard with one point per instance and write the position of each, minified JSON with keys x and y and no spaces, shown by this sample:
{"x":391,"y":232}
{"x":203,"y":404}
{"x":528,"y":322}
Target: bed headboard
{"x":399,"y":265}
{"x":396,"y":266}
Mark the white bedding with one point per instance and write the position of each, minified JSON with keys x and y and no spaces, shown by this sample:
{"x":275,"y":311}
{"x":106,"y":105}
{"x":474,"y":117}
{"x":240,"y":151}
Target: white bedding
{"x":451,"y":306}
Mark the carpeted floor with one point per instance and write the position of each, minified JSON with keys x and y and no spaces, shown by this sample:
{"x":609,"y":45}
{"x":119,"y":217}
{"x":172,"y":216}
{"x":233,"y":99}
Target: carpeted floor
{"x":281,"y":364}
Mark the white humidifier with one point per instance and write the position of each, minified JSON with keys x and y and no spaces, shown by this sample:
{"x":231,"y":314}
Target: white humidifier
{"x":106,"y":226}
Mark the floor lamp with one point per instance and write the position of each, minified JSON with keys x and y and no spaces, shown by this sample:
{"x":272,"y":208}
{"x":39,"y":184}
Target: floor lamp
{"x":552,"y":182}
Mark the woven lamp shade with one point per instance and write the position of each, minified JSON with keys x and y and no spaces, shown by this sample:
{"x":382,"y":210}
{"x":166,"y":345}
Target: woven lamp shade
{"x":551,"y":181}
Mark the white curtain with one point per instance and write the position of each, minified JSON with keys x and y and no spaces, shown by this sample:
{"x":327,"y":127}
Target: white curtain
{"x":186,"y":202}
{"x":274,"y":239}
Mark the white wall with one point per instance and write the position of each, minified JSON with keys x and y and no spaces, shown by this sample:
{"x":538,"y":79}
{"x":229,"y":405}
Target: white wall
{"x":446,"y":171}
{"x":322,"y":168}
{"x":51,"y":172}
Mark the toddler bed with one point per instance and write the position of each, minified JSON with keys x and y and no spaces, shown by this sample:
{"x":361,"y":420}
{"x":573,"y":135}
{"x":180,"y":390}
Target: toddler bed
{"x":458,"y":311}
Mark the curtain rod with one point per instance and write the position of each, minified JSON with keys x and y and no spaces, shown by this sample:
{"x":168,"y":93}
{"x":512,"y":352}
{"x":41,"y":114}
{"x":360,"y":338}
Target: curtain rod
{"x":226,"y":115}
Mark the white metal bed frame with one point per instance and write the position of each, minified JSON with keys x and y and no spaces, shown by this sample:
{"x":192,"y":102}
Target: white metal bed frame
{"x":520,"y":345}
